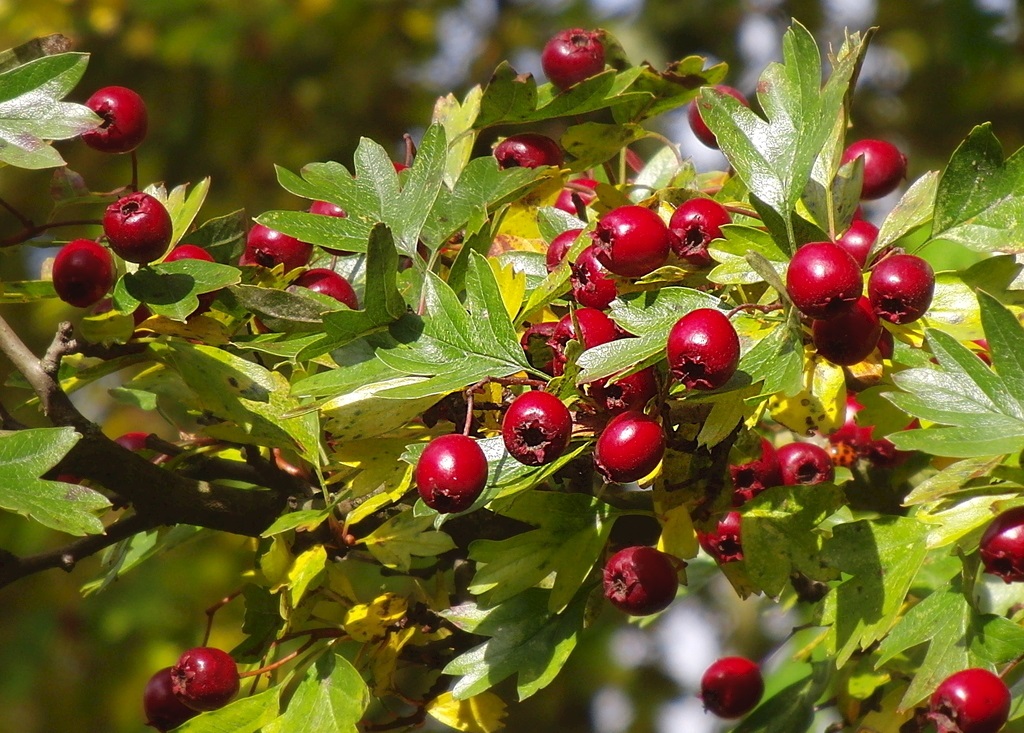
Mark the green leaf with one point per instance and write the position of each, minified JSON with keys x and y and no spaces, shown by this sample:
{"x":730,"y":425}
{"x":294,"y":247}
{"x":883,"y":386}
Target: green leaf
{"x":778,"y":359}
{"x":1005,"y":337}
{"x":593,"y":143}
{"x":135,"y":550}
{"x":223,"y":237}
{"x":26,"y":291}
{"x":330,"y":698}
{"x":457,"y":119}
{"x":244,"y":715}
{"x":666,"y":90}
{"x":284,"y":311}
{"x":172,"y":289}
{"x":25,"y":455}
{"x":50,"y":45}
{"x":912,"y":212}
{"x":184,"y":205}
{"x":396,"y":541}
{"x":789,"y":709}
{"x":731,"y":254}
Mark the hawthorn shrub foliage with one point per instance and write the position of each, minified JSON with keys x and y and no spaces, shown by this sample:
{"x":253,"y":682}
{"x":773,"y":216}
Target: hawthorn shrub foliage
{"x":302,"y":420}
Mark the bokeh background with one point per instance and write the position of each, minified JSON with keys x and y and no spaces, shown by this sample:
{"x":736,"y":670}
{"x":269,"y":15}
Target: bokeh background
{"x":237,"y":86}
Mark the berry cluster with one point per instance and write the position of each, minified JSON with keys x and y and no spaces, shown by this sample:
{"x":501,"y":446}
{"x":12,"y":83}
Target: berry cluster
{"x":203,"y":679}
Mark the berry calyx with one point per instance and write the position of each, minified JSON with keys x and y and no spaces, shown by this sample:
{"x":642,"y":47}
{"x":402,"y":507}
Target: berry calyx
{"x":592,"y":286}
{"x":83,"y":272}
{"x":751,"y":478}
{"x":124,"y":120}
{"x":528,"y":150}
{"x":640,"y":580}
{"x":731,"y":687}
{"x":164,"y":711}
{"x":884,"y":166}
{"x":630,"y":447}
{"x":205,"y":678}
{"x":138,"y":228}
{"x":823,"y":280}
{"x":578,"y":187}
{"x":571,"y":56}
{"x":696,"y":119}
{"x":805,"y":463}
{"x":970,"y":701}
{"x":268,"y":247}
{"x":858,"y":240}
{"x":723,"y":541}
{"x":696,"y":222}
{"x":329,"y":283}
{"x":1002,"y":546}
{"x":632,"y":392}
{"x":536,"y":428}
{"x":451,"y":473}
{"x":559,"y":247}
{"x":595,"y":329}
{"x":850,"y":337}
{"x":703,"y":349}
{"x":901,"y":288}
{"x":632,"y":241}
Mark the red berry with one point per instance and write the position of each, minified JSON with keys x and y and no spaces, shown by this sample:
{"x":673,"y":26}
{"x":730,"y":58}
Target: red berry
{"x":627,"y":393}
{"x":858,"y":240}
{"x":163,"y":710}
{"x":528,"y":150}
{"x":901,"y":287}
{"x":703,"y":349}
{"x":751,"y":478}
{"x":632,"y":241}
{"x":577,"y":187}
{"x":850,"y":337}
{"x":330,"y":283}
{"x":805,"y":463}
{"x":592,"y":285}
{"x":1002,"y":546}
{"x":571,"y":56}
{"x":326,"y":208}
{"x":970,"y":701}
{"x":138,"y":227}
{"x":630,"y":447}
{"x":188,"y":252}
{"x":451,"y":473}
{"x":595,"y":328}
{"x":884,"y":166}
{"x":559,"y":247}
{"x":536,"y":342}
{"x":731,"y":687}
{"x":83,"y":272}
{"x":268,"y":247}
{"x":134,"y":442}
{"x":640,"y":580}
{"x":536,"y":428}
{"x":823,"y":280}
{"x":696,"y":119}
{"x":205,"y":678}
{"x":724,"y":542}
{"x":696,"y":222}
{"x":124,"y":124}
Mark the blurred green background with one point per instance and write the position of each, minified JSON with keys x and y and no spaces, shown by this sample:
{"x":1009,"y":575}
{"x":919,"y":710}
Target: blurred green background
{"x":235,"y":87}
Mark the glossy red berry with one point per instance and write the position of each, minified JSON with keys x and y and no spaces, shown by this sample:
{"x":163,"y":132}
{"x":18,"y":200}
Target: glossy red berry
{"x":268,"y":247}
{"x":578,"y":187}
{"x":640,"y":580}
{"x":596,"y":328}
{"x":163,"y":710}
{"x":536,"y":428}
{"x":83,"y":272}
{"x":724,"y":541}
{"x":326,"y":208}
{"x":632,"y":241}
{"x":124,"y":120}
{"x":631,"y":445}
{"x":528,"y":150}
{"x":592,"y":284}
{"x":329,"y":283}
{"x":696,"y":119}
{"x":627,"y":393}
{"x":970,"y":701}
{"x":135,"y":441}
{"x":858,"y":240}
{"x":1002,"y":546}
{"x":731,"y":687}
{"x":451,"y":473}
{"x":138,"y":227}
{"x":694,"y":224}
{"x":751,"y":478}
{"x":571,"y":56}
{"x":188,"y":252}
{"x":205,"y":678}
{"x":850,"y":337}
{"x":559,"y":247}
{"x":805,"y":463}
{"x":703,"y":349}
{"x":884,"y":166}
{"x":823,"y":280}
{"x":901,"y":288}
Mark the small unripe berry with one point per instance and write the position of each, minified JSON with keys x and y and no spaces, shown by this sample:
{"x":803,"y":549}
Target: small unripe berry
{"x":205,"y":678}
{"x":858,"y":240}
{"x":640,"y":580}
{"x":694,"y":224}
{"x":696,"y":119}
{"x":703,"y":349}
{"x":823,"y":280}
{"x":451,"y":473}
{"x":901,"y":288}
{"x":83,"y":272}
{"x":731,"y":687}
{"x":632,"y":241}
{"x":268,"y":247}
{"x":850,"y":337}
{"x":884,"y":166}
{"x":724,"y":541}
{"x":329,"y":283}
{"x":1002,"y":546}
{"x":528,"y":150}
{"x":124,"y":124}
{"x":559,"y":247}
{"x":536,"y":428}
{"x":592,"y":285}
{"x":805,"y":463}
{"x":138,"y":227}
{"x":630,"y":447}
{"x":970,"y":701}
{"x":571,"y":56}
{"x":164,"y":711}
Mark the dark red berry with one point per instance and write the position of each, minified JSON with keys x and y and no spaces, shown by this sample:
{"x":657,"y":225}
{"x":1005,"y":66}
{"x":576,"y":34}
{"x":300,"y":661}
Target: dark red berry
{"x":83,"y":272}
{"x":536,"y":343}
{"x":632,"y":241}
{"x":805,"y":463}
{"x":134,"y":442}
{"x":852,"y":436}
{"x":970,"y":701}
{"x":696,"y":119}
{"x":595,"y":329}
{"x":724,"y":541}
{"x":451,"y":473}
{"x":703,"y":349}
{"x":1002,"y":546}
{"x":571,"y":56}
{"x":640,"y":580}
{"x":696,"y":222}
{"x":559,"y":247}
{"x":205,"y":678}
{"x":124,"y":120}
{"x":528,"y":150}
{"x":858,"y":240}
{"x":884,"y":166}
{"x":823,"y":280}
{"x":163,"y":710}
{"x":630,"y":447}
{"x":901,"y":287}
{"x":627,"y":393}
{"x":751,"y":478}
{"x":850,"y":337}
{"x":592,"y":285}
{"x":329,"y":283}
{"x":268,"y":247}
{"x":536,"y":428}
{"x":731,"y":687}
{"x":138,"y":227}
{"x":578,"y":187}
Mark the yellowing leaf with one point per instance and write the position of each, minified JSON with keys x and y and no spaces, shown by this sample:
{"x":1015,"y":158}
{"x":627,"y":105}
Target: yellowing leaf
{"x":521,"y":219}
{"x":678,"y":538}
{"x":381,"y":469}
{"x":511,"y":285}
{"x":383,"y":660}
{"x":819,"y":406}
{"x":483,"y":713}
{"x":305,"y":571}
{"x":371,"y":621}
{"x":275,"y":564}
{"x":201,"y":328}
